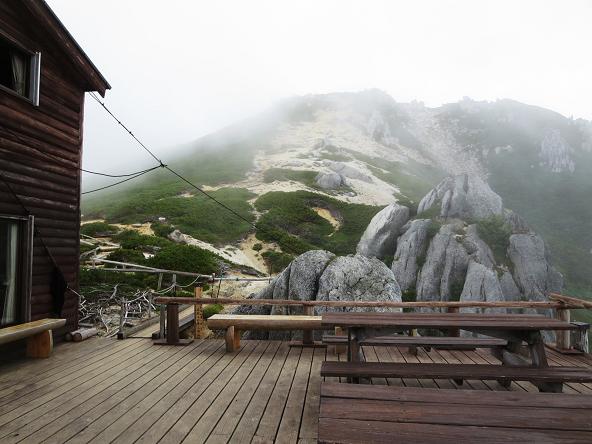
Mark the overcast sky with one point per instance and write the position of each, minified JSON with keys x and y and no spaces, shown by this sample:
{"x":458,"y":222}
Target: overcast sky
{"x":181,"y":69}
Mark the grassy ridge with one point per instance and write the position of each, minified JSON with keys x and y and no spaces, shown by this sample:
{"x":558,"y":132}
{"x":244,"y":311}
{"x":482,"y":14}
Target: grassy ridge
{"x":297,"y":228}
{"x":197,"y":216}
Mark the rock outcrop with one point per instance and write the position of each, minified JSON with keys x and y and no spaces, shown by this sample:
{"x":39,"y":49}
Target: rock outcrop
{"x":456,"y":263}
{"x":445,"y":267}
{"x":411,"y":246}
{"x":320,"y":275}
{"x":348,"y":171}
{"x":380,"y":237}
{"x":465,"y":196}
{"x":533,"y":275}
{"x":357,"y":278}
{"x":329,"y":181}
{"x":481,"y":284}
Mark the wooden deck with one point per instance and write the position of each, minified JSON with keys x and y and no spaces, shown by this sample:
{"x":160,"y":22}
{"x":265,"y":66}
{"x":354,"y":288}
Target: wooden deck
{"x":133,"y":391}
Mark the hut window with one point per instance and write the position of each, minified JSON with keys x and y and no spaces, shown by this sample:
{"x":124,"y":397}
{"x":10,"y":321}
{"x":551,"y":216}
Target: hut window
{"x":15,"y":269}
{"x":9,"y":261}
{"x":20,"y":71}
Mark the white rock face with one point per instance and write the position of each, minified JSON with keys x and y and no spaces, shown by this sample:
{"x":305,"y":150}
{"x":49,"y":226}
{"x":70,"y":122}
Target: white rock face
{"x":465,"y":196}
{"x":358,"y":278}
{"x":329,"y":181}
{"x":445,"y":267}
{"x":379,"y":239}
{"x":348,"y":171}
{"x":533,"y":274}
{"x":556,"y":153}
{"x":481,"y":284}
{"x":410,"y":245}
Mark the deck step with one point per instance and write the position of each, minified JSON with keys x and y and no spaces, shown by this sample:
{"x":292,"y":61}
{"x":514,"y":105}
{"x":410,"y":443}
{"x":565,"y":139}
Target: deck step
{"x":454,"y":371}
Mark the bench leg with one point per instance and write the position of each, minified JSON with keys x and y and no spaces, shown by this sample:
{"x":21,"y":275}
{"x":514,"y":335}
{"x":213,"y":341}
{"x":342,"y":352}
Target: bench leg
{"x":232,"y":339}
{"x":339,"y":349}
{"x":550,"y":387}
{"x":40,"y":345}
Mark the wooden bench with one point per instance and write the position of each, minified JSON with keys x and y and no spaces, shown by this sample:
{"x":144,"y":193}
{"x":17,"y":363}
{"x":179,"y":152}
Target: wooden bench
{"x":546,"y":378}
{"x":40,"y":340}
{"x":426,"y":342}
{"x":235,"y":324}
{"x":351,"y":413}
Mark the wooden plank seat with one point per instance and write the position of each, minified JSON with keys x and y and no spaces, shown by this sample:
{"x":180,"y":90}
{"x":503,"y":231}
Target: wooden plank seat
{"x":235,"y":324}
{"x":426,"y":342}
{"x":38,"y":334}
{"x":546,"y":378}
{"x":353,"y":413}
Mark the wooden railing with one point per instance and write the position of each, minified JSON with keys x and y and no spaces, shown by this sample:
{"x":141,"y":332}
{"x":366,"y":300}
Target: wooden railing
{"x":560,"y":303}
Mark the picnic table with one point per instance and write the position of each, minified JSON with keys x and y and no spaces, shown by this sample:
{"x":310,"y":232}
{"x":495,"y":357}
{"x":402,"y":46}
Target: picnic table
{"x":516,"y":329}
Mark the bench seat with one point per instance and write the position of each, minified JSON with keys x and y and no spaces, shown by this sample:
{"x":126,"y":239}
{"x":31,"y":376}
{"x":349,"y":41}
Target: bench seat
{"x":234,"y":324}
{"x":547,"y":378}
{"x":353,"y":413}
{"x":38,"y":334}
{"x":427,"y":342}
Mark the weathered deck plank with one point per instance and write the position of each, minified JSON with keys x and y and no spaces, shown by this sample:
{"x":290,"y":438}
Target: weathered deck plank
{"x":133,"y":391}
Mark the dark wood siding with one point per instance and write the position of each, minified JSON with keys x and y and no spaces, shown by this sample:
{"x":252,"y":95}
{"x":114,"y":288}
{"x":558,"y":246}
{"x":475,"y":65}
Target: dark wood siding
{"x":40,"y":156}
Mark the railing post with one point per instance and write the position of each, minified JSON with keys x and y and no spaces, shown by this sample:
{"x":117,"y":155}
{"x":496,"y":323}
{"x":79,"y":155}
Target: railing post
{"x":172,"y":337}
{"x":563,"y":336}
{"x":581,"y":342}
{"x":122,"y":317}
{"x":198,"y":316}
{"x":307,"y":335}
{"x":162,"y":331}
{"x":159,"y":282}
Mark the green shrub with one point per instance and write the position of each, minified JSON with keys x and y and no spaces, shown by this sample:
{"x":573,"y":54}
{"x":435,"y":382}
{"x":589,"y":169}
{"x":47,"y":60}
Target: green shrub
{"x":185,"y":258}
{"x":126,"y":255}
{"x":289,"y":220}
{"x":91,"y":229}
{"x":258,"y":246}
{"x":211,"y":310}
{"x":433,"y":229}
{"x":132,"y":240}
{"x":280,"y":174}
{"x":495,"y":232}
{"x":160,"y":229}
{"x":277,"y":261}
{"x":388,"y":260}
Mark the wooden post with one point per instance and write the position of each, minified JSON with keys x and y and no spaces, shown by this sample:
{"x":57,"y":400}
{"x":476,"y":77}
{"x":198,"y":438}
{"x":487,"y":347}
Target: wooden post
{"x":454,"y":332}
{"x":40,"y":345}
{"x":172,"y":324}
{"x":159,"y":282}
{"x":200,"y":331}
{"x":162,"y":330}
{"x":563,"y":336}
{"x":307,"y":335}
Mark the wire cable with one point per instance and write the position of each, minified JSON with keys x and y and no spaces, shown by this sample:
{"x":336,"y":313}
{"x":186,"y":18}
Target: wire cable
{"x":121,"y":181}
{"x":94,"y":96}
{"x":116,"y":175}
{"x":187,"y":181}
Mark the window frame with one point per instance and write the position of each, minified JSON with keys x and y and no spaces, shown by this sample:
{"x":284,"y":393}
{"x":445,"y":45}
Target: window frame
{"x":25,"y":264}
{"x":34,"y":71}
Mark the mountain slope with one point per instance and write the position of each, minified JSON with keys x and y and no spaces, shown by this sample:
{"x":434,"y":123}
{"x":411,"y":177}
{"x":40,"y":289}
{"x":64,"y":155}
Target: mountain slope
{"x":353,"y":153}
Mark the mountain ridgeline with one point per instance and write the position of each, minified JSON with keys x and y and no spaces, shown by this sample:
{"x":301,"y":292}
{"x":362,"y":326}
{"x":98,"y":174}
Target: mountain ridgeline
{"x":322,"y":172}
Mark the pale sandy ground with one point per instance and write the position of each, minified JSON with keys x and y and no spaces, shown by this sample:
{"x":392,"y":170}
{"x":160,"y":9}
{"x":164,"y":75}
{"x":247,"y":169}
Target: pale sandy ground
{"x":326,"y":214}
